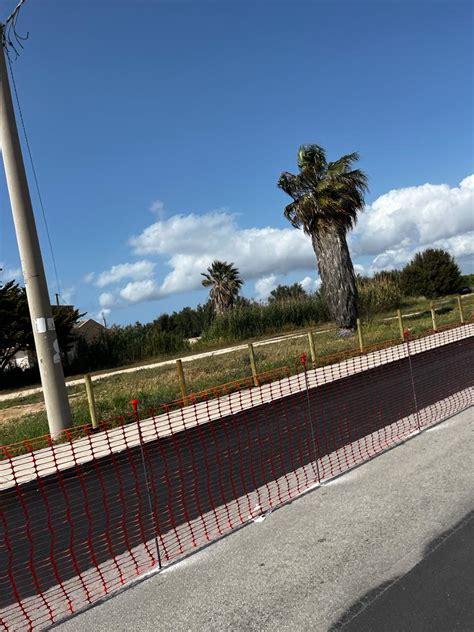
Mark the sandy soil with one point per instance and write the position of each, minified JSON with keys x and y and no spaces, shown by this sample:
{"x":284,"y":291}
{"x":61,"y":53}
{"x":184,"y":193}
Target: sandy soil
{"x":18,"y":411}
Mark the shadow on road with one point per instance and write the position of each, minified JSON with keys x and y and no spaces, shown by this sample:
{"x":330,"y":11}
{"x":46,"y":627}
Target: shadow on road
{"x":435,"y":595}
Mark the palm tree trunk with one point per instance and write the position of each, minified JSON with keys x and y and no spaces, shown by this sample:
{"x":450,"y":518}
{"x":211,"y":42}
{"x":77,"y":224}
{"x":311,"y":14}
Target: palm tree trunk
{"x":219,"y":307}
{"x":337,"y":276}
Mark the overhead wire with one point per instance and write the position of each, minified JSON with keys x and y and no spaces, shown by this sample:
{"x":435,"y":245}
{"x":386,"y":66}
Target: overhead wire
{"x":9,"y":28}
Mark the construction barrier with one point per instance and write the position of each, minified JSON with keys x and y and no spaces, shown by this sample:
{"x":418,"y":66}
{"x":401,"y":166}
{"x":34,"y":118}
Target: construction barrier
{"x":88,"y":513}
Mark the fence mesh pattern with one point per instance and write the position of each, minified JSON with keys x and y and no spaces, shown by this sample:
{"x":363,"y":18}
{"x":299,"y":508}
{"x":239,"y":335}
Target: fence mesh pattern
{"x":84,"y":516}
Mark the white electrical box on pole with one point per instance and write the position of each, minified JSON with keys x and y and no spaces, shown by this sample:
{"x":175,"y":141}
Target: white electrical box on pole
{"x":46,"y":342}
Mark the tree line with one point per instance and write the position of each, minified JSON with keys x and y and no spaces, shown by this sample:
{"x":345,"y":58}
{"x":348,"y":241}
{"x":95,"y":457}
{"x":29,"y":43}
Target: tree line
{"x":431,"y":273}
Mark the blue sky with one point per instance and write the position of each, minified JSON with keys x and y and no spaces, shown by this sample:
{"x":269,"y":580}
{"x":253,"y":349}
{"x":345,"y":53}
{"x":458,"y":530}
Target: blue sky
{"x":159,"y":130}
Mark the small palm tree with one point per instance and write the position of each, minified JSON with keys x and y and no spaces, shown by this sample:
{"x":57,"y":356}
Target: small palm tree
{"x":326,"y":199}
{"x":225,"y":282}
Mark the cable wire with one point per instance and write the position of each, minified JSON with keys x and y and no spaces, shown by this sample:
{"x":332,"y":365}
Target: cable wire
{"x":33,"y":168}
{"x":9,"y":30}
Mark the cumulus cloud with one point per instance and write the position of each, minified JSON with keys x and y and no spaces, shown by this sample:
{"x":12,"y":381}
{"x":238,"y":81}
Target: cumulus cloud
{"x":191,"y":242}
{"x":414,"y":218}
{"x":461,"y":247}
{"x":140,"y":291}
{"x":264,"y":286}
{"x":135,"y":271}
{"x":390,"y":231}
{"x":310,"y":285}
{"x":107,"y":300}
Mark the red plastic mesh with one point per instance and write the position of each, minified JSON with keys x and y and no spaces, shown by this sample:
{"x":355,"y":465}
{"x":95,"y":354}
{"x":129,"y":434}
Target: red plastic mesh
{"x":82,"y":516}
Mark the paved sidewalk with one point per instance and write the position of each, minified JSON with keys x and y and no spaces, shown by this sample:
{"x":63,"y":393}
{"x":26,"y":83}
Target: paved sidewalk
{"x":308,"y":565}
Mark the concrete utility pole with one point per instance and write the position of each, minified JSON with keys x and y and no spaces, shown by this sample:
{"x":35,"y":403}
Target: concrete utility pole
{"x":46,"y":342}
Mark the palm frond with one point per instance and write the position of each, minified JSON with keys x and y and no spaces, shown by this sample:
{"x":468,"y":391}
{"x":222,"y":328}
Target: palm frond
{"x":343,"y":163}
{"x":291,"y":213}
{"x":324,"y":194}
{"x":224,"y":280}
{"x":311,"y":155}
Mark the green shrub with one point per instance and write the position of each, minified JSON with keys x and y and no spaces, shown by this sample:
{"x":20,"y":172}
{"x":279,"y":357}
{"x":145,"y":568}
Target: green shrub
{"x":378,"y":294}
{"x":288,"y":293}
{"x":126,"y":345}
{"x":431,"y":273}
{"x":468,"y":280}
{"x":256,"y":320}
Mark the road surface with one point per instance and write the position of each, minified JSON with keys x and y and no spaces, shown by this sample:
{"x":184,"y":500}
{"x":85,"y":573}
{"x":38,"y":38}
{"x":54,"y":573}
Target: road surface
{"x":387,"y":547}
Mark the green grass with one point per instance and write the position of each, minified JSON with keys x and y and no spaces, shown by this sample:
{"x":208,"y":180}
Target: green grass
{"x":153,"y":387}
{"x":19,"y":401}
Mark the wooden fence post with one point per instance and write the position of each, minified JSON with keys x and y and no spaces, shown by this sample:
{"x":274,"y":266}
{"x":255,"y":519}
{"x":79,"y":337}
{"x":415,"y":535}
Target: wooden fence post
{"x":359,"y":334}
{"x":312,"y":348}
{"x":400,"y":324}
{"x":253,"y":364}
{"x":433,"y":316}
{"x":91,"y":401}
{"x":461,"y":315}
{"x":182,"y":381}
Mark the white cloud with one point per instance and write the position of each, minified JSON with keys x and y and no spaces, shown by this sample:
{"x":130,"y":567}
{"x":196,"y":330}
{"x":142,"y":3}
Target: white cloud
{"x":411,"y":218}
{"x":140,"y":291}
{"x":264,"y":286}
{"x":136,"y":271}
{"x":389,"y":232}
{"x":461,"y":247}
{"x":157,"y":207}
{"x":310,"y":285}
{"x":9,"y":273}
{"x":191,"y":242}
{"x":89,"y":277}
{"x":107,"y":300}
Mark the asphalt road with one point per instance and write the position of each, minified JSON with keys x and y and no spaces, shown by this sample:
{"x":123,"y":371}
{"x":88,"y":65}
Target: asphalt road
{"x":85,"y":519}
{"x":385,"y":547}
{"x":437,"y":594}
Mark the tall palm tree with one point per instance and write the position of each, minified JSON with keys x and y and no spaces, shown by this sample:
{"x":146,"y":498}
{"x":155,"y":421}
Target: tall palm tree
{"x":326,"y":199}
{"x":225,"y":282}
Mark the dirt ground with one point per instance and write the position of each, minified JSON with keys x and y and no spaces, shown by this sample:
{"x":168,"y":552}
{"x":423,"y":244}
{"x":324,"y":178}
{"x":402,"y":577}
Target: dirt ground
{"x":18,"y":411}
